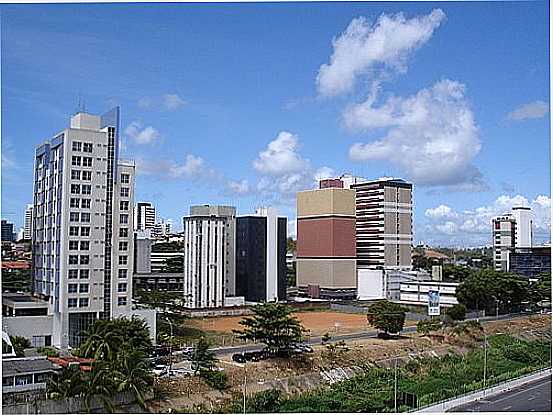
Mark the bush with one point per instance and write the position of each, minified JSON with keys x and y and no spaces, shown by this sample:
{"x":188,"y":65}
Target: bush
{"x":215,"y":379}
{"x":424,"y":327}
{"x":48,"y":351}
{"x":19,"y":344}
{"x":457,"y":313}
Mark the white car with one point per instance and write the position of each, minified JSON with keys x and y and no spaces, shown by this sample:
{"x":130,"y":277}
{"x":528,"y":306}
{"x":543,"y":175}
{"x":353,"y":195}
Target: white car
{"x":160,"y":370}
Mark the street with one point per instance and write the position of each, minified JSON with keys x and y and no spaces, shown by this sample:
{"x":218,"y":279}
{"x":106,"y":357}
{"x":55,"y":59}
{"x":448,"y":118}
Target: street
{"x":531,"y":397}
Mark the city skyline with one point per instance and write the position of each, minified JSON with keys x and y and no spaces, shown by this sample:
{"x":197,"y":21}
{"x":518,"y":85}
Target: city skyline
{"x":248,"y":108}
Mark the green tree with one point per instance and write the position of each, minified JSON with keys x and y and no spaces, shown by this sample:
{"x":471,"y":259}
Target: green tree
{"x":457,"y":313}
{"x":456,"y":273}
{"x":202,"y":358}
{"x":68,"y":383}
{"x":19,"y":344}
{"x":214,"y":378}
{"x":424,"y":327}
{"x":386,"y":316}
{"x":132,"y":373}
{"x":291,"y":245}
{"x":273,"y":325}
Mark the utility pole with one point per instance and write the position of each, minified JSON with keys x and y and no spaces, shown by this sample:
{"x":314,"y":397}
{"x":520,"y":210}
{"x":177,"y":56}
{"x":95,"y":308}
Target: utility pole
{"x":395,"y":385}
{"x":485,"y":359}
{"x":245,"y":381}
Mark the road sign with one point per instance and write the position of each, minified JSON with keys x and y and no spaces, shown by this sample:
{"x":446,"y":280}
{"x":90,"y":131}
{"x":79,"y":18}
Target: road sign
{"x":433,"y":303}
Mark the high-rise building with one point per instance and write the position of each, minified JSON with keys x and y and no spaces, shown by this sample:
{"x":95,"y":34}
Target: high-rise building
{"x":509,"y":231}
{"x":28,"y":224}
{"x":209,"y":255}
{"x":144,"y":216}
{"x":384,"y":230}
{"x":162,"y":229}
{"x":82,"y":233}
{"x":261,"y":256}
{"x":7,"y":231}
{"x":326,"y":257}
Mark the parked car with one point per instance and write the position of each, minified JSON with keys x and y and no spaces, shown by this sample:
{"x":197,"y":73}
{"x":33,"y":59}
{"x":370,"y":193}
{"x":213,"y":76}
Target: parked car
{"x":239,"y":357}
{"x":160,"y":370}
{"x":304,"y":348}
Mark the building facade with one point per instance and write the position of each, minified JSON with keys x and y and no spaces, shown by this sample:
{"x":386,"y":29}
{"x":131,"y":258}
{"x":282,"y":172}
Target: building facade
{"x":384,"y":224}
{"x":7,"y":231}
{"x":144,"y":216}
{"x":509,"y":231}
{"x":523,"y":229}
{"x":326,"y":256}
{"x":261,"y":256}
{"x":530,"y":262}
{"x":28,"y":223}
{"x":82,"y":238}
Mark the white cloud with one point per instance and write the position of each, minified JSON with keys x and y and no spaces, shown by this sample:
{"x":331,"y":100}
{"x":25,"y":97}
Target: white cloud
{"x":474,"y":226}
{"x":173,"y":101}
{"x":536,"y":109}
{"x":431,"y":136}
{"x":362,"y":47}
{"x":140,"y":134}
{"x":324,"y":173}
{"x":241,"y":187}
{"x":192,"y":167}
{"x":145,"y":102}
{"x":281,"y":156}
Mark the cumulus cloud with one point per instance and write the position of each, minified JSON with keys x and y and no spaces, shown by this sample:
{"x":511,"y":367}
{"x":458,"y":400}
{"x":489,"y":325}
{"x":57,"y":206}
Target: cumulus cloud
{"x":364,"y":48}
{"x":240,"y":188}
{"x":536,"y":109}
{"x":475,"y":225}
{"x":173,"y":101}
{"x":140,"y":134}
{"x":281,"y":156}
{"x":431,"y":136}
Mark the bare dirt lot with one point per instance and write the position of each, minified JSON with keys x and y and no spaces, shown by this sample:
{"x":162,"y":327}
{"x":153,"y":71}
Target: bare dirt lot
{"x":317,"y":322}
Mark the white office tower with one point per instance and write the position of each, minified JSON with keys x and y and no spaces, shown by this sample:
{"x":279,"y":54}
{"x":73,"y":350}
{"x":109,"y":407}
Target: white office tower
{"x":144,"y":216}
{"x":272,"y":251}
{"x":209,"y":250}
{"x":82,"y":226}
{"x":162,"y":229}
{"x":28,"y":224}
{"x":523,"y":230}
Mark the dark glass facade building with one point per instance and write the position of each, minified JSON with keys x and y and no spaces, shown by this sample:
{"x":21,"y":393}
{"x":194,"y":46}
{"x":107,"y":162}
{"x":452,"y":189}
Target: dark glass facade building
{"x":530,"y":262}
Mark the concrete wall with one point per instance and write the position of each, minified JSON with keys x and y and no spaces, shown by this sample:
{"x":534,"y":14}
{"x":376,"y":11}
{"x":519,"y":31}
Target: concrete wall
{"x":327,"y":273}
{"x":326,"y":237}
{"x":330,"y":201}
{"x":28,"y":326}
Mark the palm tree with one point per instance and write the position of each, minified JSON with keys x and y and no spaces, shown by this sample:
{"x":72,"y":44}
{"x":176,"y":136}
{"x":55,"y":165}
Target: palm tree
{"x":99,"y":382}
{"x":67,"y":384}
{"x":132,"y":373}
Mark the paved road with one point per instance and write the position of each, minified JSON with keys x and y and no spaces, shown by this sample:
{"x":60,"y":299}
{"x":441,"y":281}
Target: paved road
{"x":351,"y":336}
{"x":531,"y":397}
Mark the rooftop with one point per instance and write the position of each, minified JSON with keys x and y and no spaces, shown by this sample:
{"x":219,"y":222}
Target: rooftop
{"x":23,"y":365}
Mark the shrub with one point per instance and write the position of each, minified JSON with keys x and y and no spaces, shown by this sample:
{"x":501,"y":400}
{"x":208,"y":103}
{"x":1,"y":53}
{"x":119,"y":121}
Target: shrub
{"x":19,"y":344}
{"x":215,"y":379}
{"x":457,"y":313}
{"x":426,"y":326}
{"x":48,"y":351}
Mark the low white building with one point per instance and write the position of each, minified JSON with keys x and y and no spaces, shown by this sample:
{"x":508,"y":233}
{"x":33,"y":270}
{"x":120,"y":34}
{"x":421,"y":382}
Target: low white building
{"x":416,"y":292}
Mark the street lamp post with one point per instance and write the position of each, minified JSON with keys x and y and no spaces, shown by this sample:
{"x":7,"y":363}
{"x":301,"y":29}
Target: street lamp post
{"x":485,"y":359}
{"x":395,"y":385}
{"x":244,"y":389}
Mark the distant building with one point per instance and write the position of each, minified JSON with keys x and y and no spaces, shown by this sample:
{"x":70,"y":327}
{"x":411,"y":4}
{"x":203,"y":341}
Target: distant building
{"x":326,"y":257}
{"x":416,"y":292}
{"x":261,"y":256}
{"x":162,"y":229}
{"x":28,"y":223}
{"x":509,"y":231}
{"x":7,"y":231}
{"x":144,"y":216}
{"x":530,"y":262}
{"x":209,"y":256}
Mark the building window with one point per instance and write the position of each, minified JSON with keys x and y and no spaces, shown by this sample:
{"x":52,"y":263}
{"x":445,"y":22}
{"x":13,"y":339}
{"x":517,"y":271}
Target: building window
{"x":125,"y":178}
{"x":76,"y":146}
{"x":71,"y":302}
{"x":84,"y":274}
{"x":122,"y":273}
{"x":123,"y":232}
{"x":123,"y":246}
{"x":124,"y":205}
{"x":87,"y":189}
{"x":75,"y":175}
{"x":85,"y":203}
{"x":87,"y":147}
{"x":74,"y":202}
{"x":85,"y":259}
{"x":85,"y":231}
{"x":121,"y":300}
{"x":83,"y":288}
{"x":83,"y":302}
{"x":124,"y":192}
{"x":72,"y":288}
{"x":85,"y":217}
{"x":87,"y":161}
{"x":124,"y":218}
{"x":23,"y":380}
{"x":73,"y":259}
{"x":87,"y":175}
{"x":73,"y":231}
{"x":73,"y":245}
{"x":75,"y":189}
{"x":122,"y":287}
{"x":72,"y":274}
{"x":122,"y":259}
{"x":75,"y":160}
{"x":85,"y":245}
{"x":73,"y":216}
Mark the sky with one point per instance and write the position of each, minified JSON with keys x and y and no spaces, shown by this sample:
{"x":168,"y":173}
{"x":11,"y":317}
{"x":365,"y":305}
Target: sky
{"x":246,"y":104}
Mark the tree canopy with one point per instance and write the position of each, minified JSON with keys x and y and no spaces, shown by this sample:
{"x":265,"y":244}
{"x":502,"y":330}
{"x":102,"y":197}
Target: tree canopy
{"x":386,"y":316}
{"x":202,"y":358}
{"x":272,"y":324}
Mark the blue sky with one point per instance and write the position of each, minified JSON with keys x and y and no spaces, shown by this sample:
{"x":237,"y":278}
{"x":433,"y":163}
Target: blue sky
{"x":246,"y":104}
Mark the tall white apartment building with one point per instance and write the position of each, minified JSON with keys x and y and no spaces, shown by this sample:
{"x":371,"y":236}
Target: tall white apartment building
{"x":83,"y":226}
{"x":209,"y":245}
{"x":28,"y":224}
{"x":383,"y":223}
{"x":509,"y":231}
{"x":144,"y":216}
